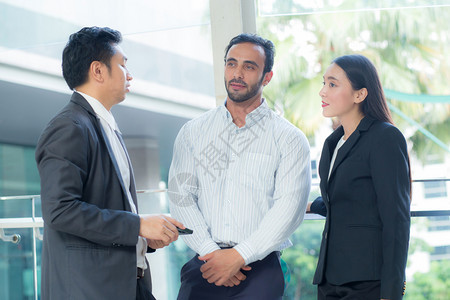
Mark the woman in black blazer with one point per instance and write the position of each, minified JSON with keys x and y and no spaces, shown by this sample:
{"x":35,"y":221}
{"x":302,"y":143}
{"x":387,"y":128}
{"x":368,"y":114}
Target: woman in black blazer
{"x":365,"y":186}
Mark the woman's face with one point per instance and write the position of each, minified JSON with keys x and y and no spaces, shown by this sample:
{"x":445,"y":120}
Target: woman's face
{"x":338,"y":97}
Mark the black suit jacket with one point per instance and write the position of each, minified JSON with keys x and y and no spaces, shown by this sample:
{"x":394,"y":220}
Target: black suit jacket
{"x":366,"y":202}
{"x":90,"y":234}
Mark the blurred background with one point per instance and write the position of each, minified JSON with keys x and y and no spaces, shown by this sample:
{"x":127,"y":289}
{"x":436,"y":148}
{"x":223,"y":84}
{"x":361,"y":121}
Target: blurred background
{"x":175,"y":52}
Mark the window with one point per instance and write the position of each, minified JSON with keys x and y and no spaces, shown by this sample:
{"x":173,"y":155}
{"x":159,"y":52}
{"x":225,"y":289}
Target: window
{"x":435,"y":189}
{"x":440,"y":252}
{"x":314,"y":174}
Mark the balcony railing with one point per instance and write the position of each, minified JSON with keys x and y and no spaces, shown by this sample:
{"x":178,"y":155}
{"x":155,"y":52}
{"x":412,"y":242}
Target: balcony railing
{"x":21,"y":243}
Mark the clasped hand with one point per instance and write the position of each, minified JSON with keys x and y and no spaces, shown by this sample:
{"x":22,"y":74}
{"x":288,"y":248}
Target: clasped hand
{"x":223,"y":267}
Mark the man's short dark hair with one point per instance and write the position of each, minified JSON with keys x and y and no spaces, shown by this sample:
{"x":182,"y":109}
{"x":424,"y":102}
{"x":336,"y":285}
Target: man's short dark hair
{"x":85,"y":46}
{"x":267,"y":45}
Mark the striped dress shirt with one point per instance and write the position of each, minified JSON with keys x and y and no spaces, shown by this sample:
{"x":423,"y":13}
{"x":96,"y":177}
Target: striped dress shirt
{"x":241,"y":187}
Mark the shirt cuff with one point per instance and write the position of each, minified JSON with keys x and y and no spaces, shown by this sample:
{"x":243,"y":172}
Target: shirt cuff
{"x":208,"y":247}
{"x":247,"y":253}
{"x":318,"y":207}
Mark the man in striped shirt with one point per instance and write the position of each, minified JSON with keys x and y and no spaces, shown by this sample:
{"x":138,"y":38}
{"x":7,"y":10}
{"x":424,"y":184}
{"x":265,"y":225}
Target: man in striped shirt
{"x":240,"y":178}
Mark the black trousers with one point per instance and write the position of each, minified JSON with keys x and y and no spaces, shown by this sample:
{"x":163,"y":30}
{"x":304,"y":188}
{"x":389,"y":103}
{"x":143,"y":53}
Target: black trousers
{"x":142,"y":291}
{"x":358,"y":290}
{"x":265,"y":281}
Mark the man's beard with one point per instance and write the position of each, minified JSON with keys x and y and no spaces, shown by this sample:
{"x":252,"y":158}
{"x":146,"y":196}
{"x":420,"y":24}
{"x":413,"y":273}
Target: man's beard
{"x":254,"y":89}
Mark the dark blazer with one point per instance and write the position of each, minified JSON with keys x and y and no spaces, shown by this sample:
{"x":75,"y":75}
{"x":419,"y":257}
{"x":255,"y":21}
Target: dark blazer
{"x":90,"y":234}
{"x":366,"y":202}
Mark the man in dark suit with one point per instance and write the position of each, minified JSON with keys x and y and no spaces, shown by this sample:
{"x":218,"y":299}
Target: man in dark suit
{"x":94,"y":241}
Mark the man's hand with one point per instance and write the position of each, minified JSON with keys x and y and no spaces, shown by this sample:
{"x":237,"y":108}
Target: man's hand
{"x":308,"y":208}
{"x":155,"y":244}
{"x":160,"y":228}
{"x":236,"y":279}
{"x":223,"y":267}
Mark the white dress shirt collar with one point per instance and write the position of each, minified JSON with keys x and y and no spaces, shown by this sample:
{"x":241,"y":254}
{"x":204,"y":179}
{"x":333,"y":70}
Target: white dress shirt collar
{"x":253,"y":117}
{"x":101,"y":111}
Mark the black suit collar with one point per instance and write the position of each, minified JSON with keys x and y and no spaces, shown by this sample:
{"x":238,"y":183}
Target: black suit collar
{"x":79,"y":99}
{"x":363,"y":125}
{"x":333,"y":139}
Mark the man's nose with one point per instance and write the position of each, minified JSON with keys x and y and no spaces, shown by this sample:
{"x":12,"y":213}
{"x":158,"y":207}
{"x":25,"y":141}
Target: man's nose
{"x":238,"y":73}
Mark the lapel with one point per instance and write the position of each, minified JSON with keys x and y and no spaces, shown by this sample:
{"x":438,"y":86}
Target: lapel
{"x":327,"y":153}
{"x":330,"y":145}
{"x":78,"y":99}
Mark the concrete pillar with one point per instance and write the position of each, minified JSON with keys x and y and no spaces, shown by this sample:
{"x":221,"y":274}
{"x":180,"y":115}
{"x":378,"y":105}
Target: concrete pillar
{"x":144,"y":156}
{"x":228,"y":19}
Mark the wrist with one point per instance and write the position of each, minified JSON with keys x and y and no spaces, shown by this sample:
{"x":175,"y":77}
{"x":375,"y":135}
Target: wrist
{"x":140,"y":225}
{"x":246,"y":252}
{"x":238,"y":258}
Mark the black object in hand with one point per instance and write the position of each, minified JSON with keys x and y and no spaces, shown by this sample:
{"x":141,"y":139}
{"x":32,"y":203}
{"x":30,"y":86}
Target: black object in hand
{"x":184,"y":231}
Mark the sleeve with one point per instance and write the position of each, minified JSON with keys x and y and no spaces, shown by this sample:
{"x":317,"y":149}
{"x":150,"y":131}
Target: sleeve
{"x":389,"y":165}
{"x":62,"y":157}
{"x":183,"y":195}
{"x":292,"y":187}
{"x":318,"y":207}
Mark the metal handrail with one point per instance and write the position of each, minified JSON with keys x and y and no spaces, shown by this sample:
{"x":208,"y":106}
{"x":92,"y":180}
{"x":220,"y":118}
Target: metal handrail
{"x":25,"y":197}
{"x":149,"y":191}
{"x":37,"y":222}
{"x":429,"y":180}
{"x":13,"y":238}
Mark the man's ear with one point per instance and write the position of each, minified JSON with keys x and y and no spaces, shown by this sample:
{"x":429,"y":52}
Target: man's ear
{"x":267,"y":77}
{"x":361,"y":95}
{"x":96,"y":71}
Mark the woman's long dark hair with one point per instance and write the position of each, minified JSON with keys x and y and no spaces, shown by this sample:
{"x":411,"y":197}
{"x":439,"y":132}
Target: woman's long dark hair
{"x":362,"y":74}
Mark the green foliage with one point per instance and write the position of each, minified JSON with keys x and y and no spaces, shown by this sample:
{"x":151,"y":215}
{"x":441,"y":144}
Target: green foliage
{"x":408,"y":46}
{"x":302,"y":260}
{"x":440,"y":126}
{"x":432,"y":285}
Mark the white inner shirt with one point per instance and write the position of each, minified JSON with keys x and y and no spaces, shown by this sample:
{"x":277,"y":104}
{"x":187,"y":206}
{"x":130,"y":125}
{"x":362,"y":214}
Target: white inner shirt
{"x":339,"y":145}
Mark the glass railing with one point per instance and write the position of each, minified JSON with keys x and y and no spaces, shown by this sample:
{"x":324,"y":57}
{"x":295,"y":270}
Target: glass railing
{"x":428,"y":271}
{"x":20,"y":247}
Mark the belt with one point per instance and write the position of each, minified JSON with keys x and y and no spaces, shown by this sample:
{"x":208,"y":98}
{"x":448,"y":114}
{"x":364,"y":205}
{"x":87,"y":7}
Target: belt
{"x":225,"y":246}
{"x":140,"y":273}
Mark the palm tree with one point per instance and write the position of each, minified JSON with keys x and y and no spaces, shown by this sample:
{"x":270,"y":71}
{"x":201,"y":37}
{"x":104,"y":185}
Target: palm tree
{"x":408,"y":46}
